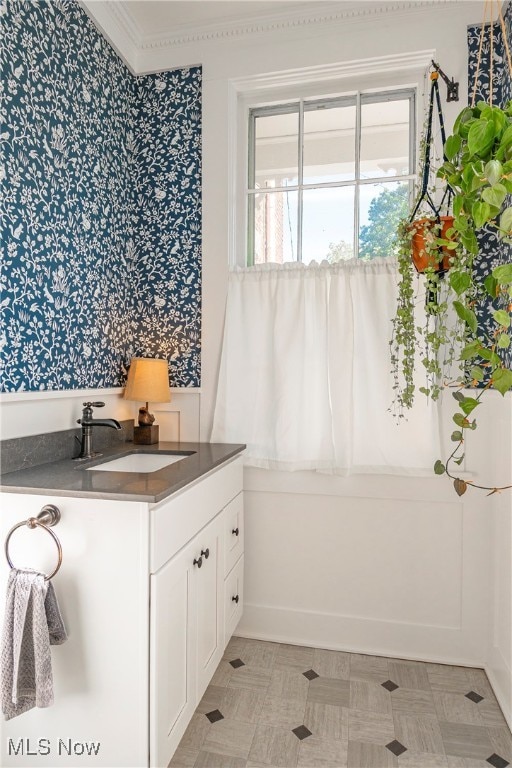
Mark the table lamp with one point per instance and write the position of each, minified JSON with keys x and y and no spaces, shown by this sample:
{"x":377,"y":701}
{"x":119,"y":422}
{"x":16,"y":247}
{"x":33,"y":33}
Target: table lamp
{"x":148,"y":380}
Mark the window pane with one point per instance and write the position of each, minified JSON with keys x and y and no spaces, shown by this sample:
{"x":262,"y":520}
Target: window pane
{"x":329,"y":144}
{"x":275,"y":226}
{"x":328,"y":224}
{"x":276,"y":151}
{"x":381,"y":207}
{"x":385,"y":139}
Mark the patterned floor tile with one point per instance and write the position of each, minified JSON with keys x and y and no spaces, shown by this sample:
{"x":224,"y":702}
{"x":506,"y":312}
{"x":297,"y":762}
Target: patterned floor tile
{"x":250,"y":677}
{"x":421,"y":760}
{"x":325,"y":690}
{"x":229,"y":737}
{"x":258,"y":653}
{"x":242,"y":704}
{"x":288,"y":683}
{"x":419,"y":733}
{"x":466,"y":740}
{"x":212,"y":699}
{"x":327,"y":721}
{"x":322,"y":752}
{"x":370,"y":668}
{"x":370,"y":727}
{"x":213,"y":760}
{"x":457,"y":708}
{"x":409,"y":674}
{"x":277,"y":747}
{"x":413,"y":702}
{"x":369,"y":755}
{"x":501,"y":740}
{"x":370,"y":696}
{"x":282,"y":706}
{"x":331,"y":663}
{"x":283,"y":712}
{"x":294,"y":657}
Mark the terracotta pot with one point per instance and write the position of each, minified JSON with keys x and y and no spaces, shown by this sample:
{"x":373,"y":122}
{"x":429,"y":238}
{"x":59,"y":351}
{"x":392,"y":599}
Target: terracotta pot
{"x":421,"y":259}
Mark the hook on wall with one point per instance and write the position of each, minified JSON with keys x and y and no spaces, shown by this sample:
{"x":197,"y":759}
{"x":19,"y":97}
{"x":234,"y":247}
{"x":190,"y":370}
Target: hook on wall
{"x":452,"y":86}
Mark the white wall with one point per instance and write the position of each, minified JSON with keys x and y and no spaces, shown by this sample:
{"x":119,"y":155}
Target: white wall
{"x":397,"y":566}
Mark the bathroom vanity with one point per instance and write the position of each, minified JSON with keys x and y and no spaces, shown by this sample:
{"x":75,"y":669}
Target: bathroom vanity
{"x":150,"y":588}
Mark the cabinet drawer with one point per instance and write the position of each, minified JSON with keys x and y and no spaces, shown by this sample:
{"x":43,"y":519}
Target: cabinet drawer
{"x":176,"y":521}
{"x":233,"y":532}
{"x":234,"y":599}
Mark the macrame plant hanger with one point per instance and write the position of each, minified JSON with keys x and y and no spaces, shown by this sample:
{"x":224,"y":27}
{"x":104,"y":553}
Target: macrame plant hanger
{"x":425,"y":195}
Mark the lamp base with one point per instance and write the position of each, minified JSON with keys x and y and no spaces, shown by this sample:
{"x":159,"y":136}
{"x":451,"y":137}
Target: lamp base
{"x":146,"y":435}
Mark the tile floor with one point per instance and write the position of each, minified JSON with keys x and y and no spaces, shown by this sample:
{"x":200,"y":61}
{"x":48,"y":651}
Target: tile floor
{"x":271,"y":705}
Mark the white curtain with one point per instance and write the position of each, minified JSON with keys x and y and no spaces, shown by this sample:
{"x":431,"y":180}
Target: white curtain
{"x":305,"y":372}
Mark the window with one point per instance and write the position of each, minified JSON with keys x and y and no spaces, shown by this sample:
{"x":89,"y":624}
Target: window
{"x":329,"y":178}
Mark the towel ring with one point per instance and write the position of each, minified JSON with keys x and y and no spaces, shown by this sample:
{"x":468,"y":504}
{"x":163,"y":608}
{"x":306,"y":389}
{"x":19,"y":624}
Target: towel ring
{"x":49,"y":515}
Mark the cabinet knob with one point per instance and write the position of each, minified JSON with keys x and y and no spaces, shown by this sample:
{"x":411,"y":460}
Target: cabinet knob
{"x":206,"y":553}
{"x":198,"y":561}
{"x":235,"y":599}
{"x":235,"y":531}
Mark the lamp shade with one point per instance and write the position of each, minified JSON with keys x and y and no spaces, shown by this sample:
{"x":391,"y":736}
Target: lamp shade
{"x":148,"y":380}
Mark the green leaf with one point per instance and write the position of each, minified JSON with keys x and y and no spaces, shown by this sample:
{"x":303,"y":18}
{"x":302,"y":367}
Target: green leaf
{"x":491,"y":286}
{"x":439,"y":467}
{"x":471,"y":350}
{"x":481,"y":213}
{"x":457,"y":436}
{"x":503,"y":273}
{"x":477,"y":373}
{"x":488,"y":354}
{"x":452,"y":146}
{"x":467,"y":315}
{"x":493,"y":170}
{"x":506,"y":220}
{"x":469,"y":241}
{"x":502,"y":380}
{"x":495,"y":195}
{"x":481,"y":136}
{"x":460,"y":459}
{"x":469,"y":404}
{"x":506,"y":139}
{"x":459,"y":396}
{"x":502,"y":317}
{"x":504,"y":341}
{"x":459,"y":281}
{"x":460,"y":420}
{"x":458,"y":204}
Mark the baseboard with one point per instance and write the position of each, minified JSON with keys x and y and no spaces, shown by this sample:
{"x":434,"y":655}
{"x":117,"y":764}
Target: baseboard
{"x":441,"y":645}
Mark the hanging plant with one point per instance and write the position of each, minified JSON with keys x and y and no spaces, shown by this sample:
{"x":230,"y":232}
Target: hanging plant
{"x":423,"y":246}
{"x":478,"y":170}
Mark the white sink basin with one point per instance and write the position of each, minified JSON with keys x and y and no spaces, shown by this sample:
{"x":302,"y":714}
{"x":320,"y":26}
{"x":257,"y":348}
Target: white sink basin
{"x":139,"y":462}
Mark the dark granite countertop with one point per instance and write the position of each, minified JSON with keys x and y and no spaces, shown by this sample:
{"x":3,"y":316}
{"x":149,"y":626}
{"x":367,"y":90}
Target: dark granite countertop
{"x":72,"y":478}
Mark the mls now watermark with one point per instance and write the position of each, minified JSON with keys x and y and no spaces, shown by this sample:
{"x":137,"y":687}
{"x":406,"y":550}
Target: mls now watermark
{"x":43,"y":747}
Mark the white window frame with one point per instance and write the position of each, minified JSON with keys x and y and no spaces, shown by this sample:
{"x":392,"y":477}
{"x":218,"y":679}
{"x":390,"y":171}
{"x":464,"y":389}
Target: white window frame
{"x":300,"y":106}
{"x":404,"y":71}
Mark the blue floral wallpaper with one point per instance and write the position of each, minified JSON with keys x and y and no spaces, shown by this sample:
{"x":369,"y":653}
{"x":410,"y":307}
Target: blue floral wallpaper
{"x":166,"y":272}
{"x":493,"y":251}
{"x":100,"y":213}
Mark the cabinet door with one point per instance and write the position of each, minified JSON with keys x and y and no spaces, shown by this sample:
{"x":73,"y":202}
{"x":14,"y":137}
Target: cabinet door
{"x":209,"y":603}
{"x":172,"y":667}
{"x":233,"y":599}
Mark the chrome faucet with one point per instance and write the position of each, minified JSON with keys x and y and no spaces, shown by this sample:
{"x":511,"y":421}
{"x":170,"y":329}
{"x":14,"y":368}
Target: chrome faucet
{"x":88,"y":423}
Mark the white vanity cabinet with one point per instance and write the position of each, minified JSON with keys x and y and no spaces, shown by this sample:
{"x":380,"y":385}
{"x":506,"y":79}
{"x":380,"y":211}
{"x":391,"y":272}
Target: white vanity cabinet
{"x":147,"y":624}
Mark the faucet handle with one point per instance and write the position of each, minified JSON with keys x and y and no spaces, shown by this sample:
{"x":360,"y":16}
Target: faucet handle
{"x":97,"y":404}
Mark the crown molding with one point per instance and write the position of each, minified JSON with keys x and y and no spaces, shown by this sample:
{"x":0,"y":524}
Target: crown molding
{"x":322,"y":14}
{"x":417,"y":60}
